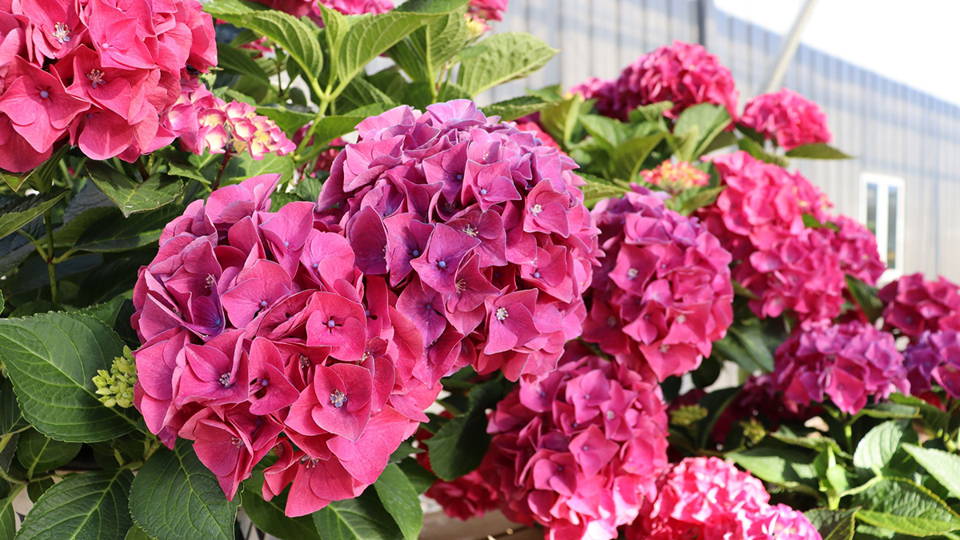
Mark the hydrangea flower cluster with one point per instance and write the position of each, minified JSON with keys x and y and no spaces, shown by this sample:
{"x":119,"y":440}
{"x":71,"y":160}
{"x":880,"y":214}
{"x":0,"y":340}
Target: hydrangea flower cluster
{"x":675,"y":176}
{"x":480,"y":229}
{"x":205,"y":123}
{"x":578,"y":450}
{"x":481,"y":12}
{"x":935,"y":356}
{"x":857,"y":250}
{"x":759,"y":219}
{"x":683,"y":73}
{"x":663,"y":293}
{"x":846,"y":362}
{"x":97,"y":73}
{"x":914,"y":305}
{"x":707,"y":497}
{"x":259,"y":330}
{"x":787,"y":118}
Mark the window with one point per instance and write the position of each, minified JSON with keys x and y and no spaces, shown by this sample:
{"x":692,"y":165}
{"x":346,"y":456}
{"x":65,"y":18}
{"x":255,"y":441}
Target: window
{"x":881,"y":208}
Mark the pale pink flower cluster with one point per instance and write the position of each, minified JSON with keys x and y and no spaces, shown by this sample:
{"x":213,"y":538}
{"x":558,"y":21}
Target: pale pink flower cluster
{"x":578,"y":450}
{"x":787,"y":118}
{"x":206,"y":123}
{"x":663,"y":293}
{"x":708,"y":498}
{"x":848,"y":362}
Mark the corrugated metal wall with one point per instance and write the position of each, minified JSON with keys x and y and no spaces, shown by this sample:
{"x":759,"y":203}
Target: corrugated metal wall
{"x":891,"y":128}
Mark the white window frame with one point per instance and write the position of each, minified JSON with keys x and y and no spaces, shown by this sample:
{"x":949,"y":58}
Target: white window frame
{"x":883,"y":183}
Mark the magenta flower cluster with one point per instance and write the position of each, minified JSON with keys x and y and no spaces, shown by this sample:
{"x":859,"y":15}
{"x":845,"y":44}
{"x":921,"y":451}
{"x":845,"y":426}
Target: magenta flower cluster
{"x":205,"y":123}
{"x":683,"y":73}
{"x":578,"y":450}
{"x":856,"y":247}
{"x":479,"y":228}
{"x":787,"y":118}
{"x":848,"y":362}
{"x":663,"y":293}
{"x":709,"y":498}
{"x":258,"y":329}
{"x":97,"y":73}
{"x":935,"y":357}
{"x":309,"y":8}
{"x":914,"y":306}
{"x":759,"y":218}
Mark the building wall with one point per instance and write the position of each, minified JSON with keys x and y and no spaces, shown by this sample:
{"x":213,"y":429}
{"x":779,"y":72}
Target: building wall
{"x":891,"y":128}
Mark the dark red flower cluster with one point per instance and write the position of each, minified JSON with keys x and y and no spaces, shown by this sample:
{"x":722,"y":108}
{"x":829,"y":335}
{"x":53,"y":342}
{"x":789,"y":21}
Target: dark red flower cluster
{"x":914,"y":305}
{"x":663,"y":293}
{"x":479,"y":227}
{"x":787,"y":118}
{"x":469,"y":496}
{"x":578,"y":450}
{"x":258,"y":329}
{"x":759,"y":218}
{"x":846,"y":362}
{"x":102,"y":74}
{"x":683,"y":73}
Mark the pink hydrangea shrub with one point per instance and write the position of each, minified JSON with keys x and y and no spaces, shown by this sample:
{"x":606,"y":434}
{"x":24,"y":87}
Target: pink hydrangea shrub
{"x":99,"y":75}
{"x":675,"y":176}
{"x":758,"y":217}
{"x":935,"y":357}
{"x":846,"y":362}
{"x":478,"y":227}
{"x":787,"y":118}
{"x":856,"y":247}
{"x":709,"y":498}
{"x":914,"y":306}
{"x":578,"y":450}
{"x":258,"y":330}
{"x":663,"y":293}
{"x":206,"y":123}
{"x":683,"y":73}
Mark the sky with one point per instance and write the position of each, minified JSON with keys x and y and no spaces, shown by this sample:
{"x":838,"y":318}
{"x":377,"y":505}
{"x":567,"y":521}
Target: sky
{"x":916,"y":42}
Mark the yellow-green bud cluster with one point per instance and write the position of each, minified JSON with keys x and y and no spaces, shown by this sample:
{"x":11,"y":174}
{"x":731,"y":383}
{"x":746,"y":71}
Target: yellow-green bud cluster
{"x":115,"y":387}
{"x":687,"y":415}
{"x":753,"y":430}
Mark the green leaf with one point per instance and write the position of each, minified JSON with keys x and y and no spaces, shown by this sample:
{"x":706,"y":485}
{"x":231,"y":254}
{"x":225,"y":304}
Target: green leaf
{"x":756,"y":150}
{"x":401,"y":501}
{"x":296,"y":37}
{"x":136,"y":533}
{"x":370,"y":36}
{"x":363,"y":518}
{"x":2,"y":302}
{"x":609,"y":132}
{"x":10,"y":417}
{"x":289,"y":120}
{"x":833,"y":524}
{"x":15,"y":212}
{"x":459,"y":445}
{"x":560,"y":119}
{"x":133,"y":197}
{"x":598,"y":189}
{"x":697,"y":127}
{"x":8,"y":519}
{"x":629,"y":156}
{"x":817,"y":151}
{"x":934,"y":418}
{"x":41,"y":177}
{"x":501,"y":58}
{"x":791,"y":469}
{"x":51,"y":359}
{"x":904,"y":507}
{"x":514,"y":108}
{"x":419,"y":477}
{"x":942,"y":466}
{"x":175,"y":497}
{"x":240,"y":61}
{"x":423,"y":53}
{"x":690,"y":200}
{"x":745,"y":345}
{"x":362,"y":93}
{"x":85,"y":506}
{"x":39,"y":454}
{"x":878,"y":446}
{"x":37,"y":488}
{"x":865,"y":296}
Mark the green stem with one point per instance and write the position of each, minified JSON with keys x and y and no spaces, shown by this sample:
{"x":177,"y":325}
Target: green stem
{"x":51,"y":265}
{"x":11,"y":480}
{"x":223,"y":165}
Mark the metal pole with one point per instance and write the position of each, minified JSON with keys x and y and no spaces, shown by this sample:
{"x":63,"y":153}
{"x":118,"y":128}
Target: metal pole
{"x":703,"y":18}
{"x":790,"y":46}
